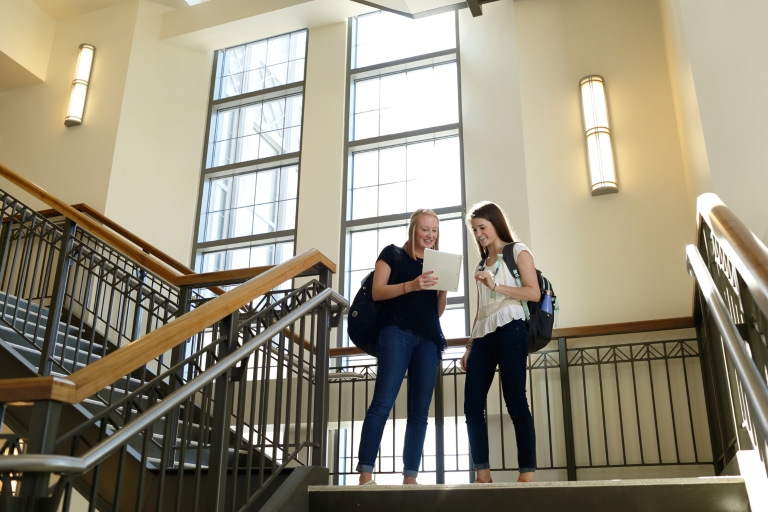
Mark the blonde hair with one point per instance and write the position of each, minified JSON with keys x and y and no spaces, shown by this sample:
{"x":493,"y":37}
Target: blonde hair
{"x":410,"y":244}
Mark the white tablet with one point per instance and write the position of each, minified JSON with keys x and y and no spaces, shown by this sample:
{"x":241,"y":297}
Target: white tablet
{"x":446,"y":267}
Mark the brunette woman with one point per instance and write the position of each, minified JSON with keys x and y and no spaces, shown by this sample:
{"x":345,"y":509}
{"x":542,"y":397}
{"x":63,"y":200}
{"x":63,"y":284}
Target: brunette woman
{"x":410,"y":340}
{"x":499,"y":338}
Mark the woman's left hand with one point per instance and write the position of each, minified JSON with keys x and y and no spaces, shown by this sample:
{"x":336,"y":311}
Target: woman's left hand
{"x":486,"y":278}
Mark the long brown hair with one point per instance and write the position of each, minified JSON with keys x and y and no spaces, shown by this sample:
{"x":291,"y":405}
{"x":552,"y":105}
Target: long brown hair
{"x":410,"y":244}
{"x":495,"y":215}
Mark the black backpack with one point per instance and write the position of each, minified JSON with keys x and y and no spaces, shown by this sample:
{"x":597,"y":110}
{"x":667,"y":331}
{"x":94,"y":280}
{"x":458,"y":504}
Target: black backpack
{"x":364,"y":320}
{"x":538,"y":321}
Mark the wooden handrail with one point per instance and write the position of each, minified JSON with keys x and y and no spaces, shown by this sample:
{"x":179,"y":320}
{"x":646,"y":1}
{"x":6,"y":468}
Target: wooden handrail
{"x":91,"y":225}
{"x":744,"y":250}
{"x":100,"y":374}
{"x":133,"y":246}
{"x":573,"y":332}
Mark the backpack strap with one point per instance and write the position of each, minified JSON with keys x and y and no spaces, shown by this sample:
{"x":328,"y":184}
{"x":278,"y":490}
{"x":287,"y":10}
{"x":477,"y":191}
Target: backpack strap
{"x":509,"y":258}
{"x":396,"y":259}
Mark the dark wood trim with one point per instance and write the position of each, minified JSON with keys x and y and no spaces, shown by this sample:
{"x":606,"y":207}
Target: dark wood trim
{"x":574,"y":332}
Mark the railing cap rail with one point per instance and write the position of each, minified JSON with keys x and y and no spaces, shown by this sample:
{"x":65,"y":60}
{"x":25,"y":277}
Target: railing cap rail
{"x":100,"y":374}
{"x":747,"y":253}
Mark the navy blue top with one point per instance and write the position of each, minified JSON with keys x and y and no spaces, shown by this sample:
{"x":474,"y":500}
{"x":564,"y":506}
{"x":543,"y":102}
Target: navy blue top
{"x":415,"y":311}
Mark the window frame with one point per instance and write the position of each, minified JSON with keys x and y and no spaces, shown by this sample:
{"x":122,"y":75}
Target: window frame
{"x":207,"y":174}
{"x":380,"y":142}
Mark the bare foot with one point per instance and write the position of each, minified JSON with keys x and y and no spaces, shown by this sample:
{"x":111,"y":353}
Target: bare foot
{"x":365,"y":477}
{"x":409,"y":480}
{"x":526,"y":477}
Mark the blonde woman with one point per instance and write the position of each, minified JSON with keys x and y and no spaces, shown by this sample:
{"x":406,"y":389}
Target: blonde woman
{"x":499,"y":338}
{"x":410,"y":340}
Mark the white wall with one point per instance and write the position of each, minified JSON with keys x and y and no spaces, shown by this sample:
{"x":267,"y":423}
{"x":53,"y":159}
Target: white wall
{"x":618,"y":257}
{"x":158,"y":153}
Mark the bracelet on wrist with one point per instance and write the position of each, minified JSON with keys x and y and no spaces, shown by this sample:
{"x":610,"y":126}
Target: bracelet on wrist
{"x":494,"y":286}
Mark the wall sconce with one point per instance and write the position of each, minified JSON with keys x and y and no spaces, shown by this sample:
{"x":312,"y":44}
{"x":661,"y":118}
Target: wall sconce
{"x":80,"y":86}
{"x":602,"y":166}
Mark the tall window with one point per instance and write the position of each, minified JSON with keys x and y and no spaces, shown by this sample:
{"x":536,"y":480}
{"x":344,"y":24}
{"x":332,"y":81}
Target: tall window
{"x":250,"y":178}
{"x":404,"y":149}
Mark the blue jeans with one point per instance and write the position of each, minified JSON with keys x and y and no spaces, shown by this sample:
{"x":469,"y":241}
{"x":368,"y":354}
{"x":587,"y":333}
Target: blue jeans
{"x":397,"y":352}
{"x":506,"y":347}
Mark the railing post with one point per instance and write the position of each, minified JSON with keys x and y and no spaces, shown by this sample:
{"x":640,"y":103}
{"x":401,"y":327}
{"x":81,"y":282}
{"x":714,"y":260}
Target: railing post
{"x":57,"y":298}
{"x":439,"y":427}
{"x":565,"y":386}
{"x":222,"y":413}
{"x":44,"y":426}
{"x":321,"y":398}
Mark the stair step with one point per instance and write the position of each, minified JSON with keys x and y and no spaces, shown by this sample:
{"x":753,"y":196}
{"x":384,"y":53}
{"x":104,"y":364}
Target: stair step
{"x":706,"y":494}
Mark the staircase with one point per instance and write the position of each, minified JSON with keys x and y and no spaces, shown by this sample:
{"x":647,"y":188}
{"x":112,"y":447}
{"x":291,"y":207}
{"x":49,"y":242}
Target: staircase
{"x":213,"y":411}
{"x":143,"y":386}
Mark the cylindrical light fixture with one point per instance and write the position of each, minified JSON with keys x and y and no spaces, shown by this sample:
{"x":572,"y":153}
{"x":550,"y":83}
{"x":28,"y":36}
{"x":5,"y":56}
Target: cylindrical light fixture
{"x":602,"y":166}
{"x":80,"y":86}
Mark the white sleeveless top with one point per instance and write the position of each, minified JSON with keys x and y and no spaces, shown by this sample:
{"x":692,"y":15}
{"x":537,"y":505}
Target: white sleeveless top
{"x":499,"y":310}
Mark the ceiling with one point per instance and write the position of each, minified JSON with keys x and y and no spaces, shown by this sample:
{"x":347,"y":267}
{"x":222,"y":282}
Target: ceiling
{"x":62,"y":9}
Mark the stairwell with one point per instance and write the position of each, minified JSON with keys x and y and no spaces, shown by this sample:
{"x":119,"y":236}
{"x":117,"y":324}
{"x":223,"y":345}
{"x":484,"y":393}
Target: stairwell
{"x":144,"y":389}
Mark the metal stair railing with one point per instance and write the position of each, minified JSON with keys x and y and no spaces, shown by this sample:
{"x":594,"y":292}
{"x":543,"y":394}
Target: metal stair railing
{"x":247,"y":430}
{"x":730,"y":266}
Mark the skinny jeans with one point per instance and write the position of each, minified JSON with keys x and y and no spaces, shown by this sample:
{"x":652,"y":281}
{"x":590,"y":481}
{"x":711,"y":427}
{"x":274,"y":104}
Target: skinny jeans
{"x":399,"y":351}
{"x":507,"y":348}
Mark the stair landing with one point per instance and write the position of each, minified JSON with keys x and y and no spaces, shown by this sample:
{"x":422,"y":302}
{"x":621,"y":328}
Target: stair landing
{"x":707,"y":494}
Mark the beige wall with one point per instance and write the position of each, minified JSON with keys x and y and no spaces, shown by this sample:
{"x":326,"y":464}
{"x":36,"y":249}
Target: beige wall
{"x":158,"y":153}
{"x":618,"y":257}
{"x":494,"y":154}
{"x":26,"y":35}
{"x":72,"y":163}
{"x":322,"y":160}
{"x":727,"y":46}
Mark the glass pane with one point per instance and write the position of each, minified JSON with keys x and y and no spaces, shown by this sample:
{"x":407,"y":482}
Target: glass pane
{"x":214,"y":229}
{"x":283,"y":252}
{"x":392,"y":164}
{"x":251,"y":116}
{"x":238,"y":258}
{"x":395,"y":235}
{"x":276,"y":75}
{"x":271,"y":144}
{"x":262,"y":256}
{"x":452,"y":323}
{"x":257,"y":55}
{"x":287,"y":215}
{"x":406,"y":101}
{"x":242,"y":222}
{"x":277,"y":50}
{"x":289,"y":182}
{"x":264,"y":218}
{"x":231,"y":85}
{"x":219,"y":194}
{"x":363,"y":250}
{"x":226,"y":124}
{"x":292,"y":140}
{"x":292,"y":116}
{"x":366,"y":95}
{"x":249,"y":148}
{"x":234,"y":61}
{"x":366,"y":125}
{"x":245,"y":189}
{"x":364,"y":202}
{"x":254,"y":81}
{"x":295,"y":71}
{"x":392,"y":199}
{"x":375,"y":44}
{"x":267,"y":186}
{"x":298,"y":45}
{"x":213,"y":262}
{"x":273,"y":115}
{"x":365,"y":169}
